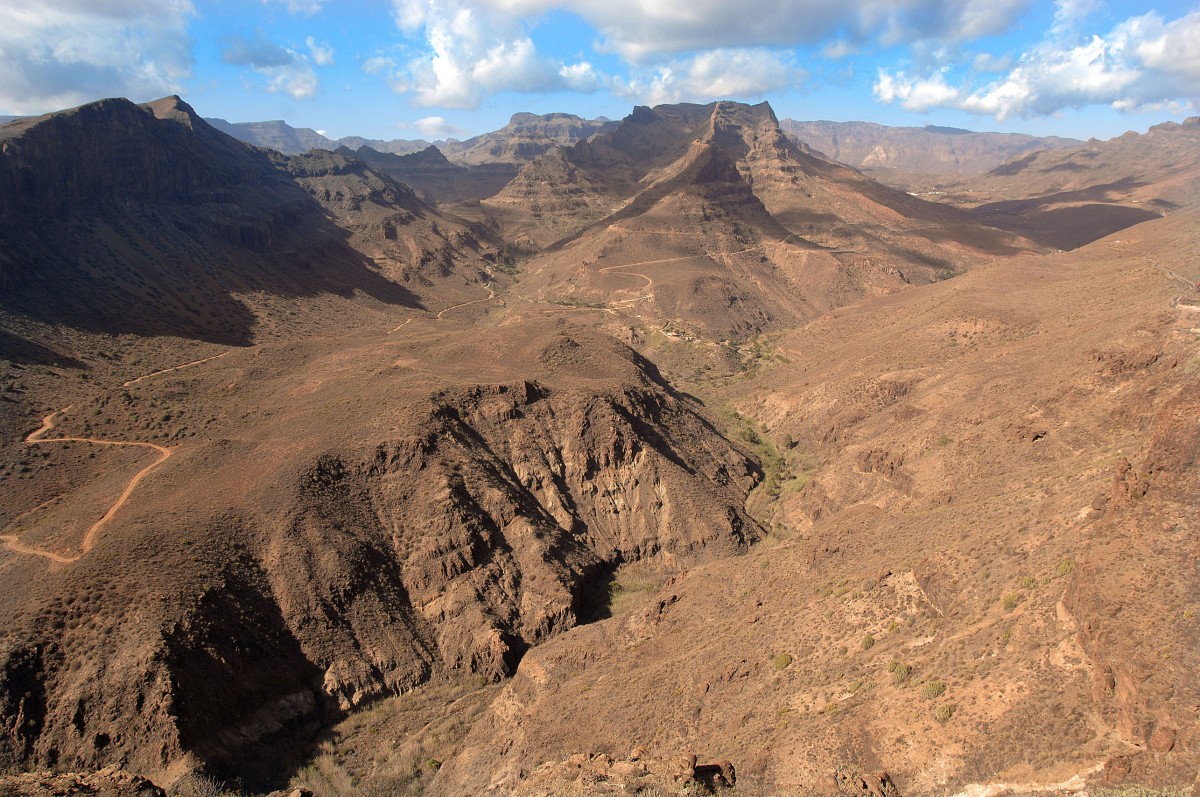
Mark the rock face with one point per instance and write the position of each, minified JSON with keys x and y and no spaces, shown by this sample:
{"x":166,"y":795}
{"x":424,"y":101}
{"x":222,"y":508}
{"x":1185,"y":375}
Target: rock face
{"x":1066,"y":198}
{"x":109,"y":782}
{"x":434,"y":177}
{"x":126,"y":218}
{"x":525,"y":137}
{"x":924,"y":150}
{"x":465,"y":521}
{"x":711,"y":219}
{"x":277,"y":135}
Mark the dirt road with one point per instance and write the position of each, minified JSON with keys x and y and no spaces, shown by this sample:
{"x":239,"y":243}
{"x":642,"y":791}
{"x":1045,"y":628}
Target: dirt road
{"x":38,"y":437}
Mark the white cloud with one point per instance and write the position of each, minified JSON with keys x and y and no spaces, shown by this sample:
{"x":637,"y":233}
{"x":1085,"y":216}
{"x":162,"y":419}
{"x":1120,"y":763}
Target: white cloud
{"x":285,"y":71}
{"x":302,"y":8}
{"x":1142,"y":63}
{"x":640,"y":31}
{"x":433,"y":127}
{"x":476,"y":47}
{"x":713,"y":75}
{"x":54,"y":56}
{"x":473,"y":50}
{"x":322,"y":54}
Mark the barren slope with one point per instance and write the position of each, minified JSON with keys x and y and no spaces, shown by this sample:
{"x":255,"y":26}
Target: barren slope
{"x":982,"y":569}
{"x":1066,"y":198}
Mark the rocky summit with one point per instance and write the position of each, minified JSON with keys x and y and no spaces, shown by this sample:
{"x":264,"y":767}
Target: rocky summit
{"x":666,"y":455}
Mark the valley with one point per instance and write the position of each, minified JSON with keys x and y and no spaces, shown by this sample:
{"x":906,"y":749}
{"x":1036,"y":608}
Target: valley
{"x":543,"y":463}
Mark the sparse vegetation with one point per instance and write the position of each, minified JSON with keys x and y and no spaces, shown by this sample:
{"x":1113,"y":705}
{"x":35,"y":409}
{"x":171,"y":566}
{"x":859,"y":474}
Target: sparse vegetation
{"x":783,"y":661}
{"x":1009,"y":601}
{"x":944,"y":712}
{"x":1065,"y":567}
{"x":632,"y":584}
{"x":931,"y":690}
{"x":900,"y":671}
{"x":868,"y":642}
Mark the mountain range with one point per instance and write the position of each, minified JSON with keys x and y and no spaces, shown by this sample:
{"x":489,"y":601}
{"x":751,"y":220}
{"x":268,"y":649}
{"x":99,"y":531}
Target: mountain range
{"x":595,"y":457}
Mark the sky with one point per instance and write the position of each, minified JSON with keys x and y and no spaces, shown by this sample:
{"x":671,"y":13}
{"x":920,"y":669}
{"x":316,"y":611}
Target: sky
{"x":433,"y":69}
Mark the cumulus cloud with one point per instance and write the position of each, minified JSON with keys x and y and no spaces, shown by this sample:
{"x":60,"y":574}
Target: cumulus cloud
{"x":433,"y":127}
{"x":716,"y":74}
{"x":302,"y":8}
{"x":640,"y":31}
{"x":74,"y":51}
{"x":322,"y":54}
{"x":1143,"y":62}
{"x":255,"y":52}
{"x":475,"y":48}
{"x":284,"y":71}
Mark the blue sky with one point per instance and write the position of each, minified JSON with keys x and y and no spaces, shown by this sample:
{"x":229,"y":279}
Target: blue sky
{"x":436,"y":68}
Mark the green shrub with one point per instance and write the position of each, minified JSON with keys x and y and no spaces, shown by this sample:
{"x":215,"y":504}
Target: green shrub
{"x":900,"y":671}
{"x":1065,"y":567}
{"x":944,"y":712}
{"x":868,"y":642}
{"x":783,"y":661}
{"x":1029,"y":582}
{"x":933,"y":689}
{"x":1009,"y":601}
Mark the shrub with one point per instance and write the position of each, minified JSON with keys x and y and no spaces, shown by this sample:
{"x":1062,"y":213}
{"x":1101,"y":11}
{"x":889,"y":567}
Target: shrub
{"x":1009,"y":601}
{"x":783,"y":661}
{"x":1065,"y":567}
{"x":1029,"y":582}
{"x":944,"y":712}
{"x":933,"y":689}
{"x":868,"y":642}
{"x":900,"y":671}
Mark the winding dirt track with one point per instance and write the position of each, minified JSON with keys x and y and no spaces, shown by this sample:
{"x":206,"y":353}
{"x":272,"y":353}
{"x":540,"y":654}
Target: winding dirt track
{"x":175,"y":368}
{"x":491,"y":295}
{"x":38,"y":437}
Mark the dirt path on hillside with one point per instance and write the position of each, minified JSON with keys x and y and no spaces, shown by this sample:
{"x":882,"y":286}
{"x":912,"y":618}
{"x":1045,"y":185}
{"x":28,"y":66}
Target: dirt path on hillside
{"x":38,"y":437}
{"x":491,"y":295}
{"x":175,"y":368}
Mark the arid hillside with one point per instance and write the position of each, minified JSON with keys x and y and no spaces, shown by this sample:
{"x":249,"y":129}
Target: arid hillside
{"x":978,"y":482}
{"x":1067,"y":197}
{"x":882,"y":150}
{"x":709,"y":219}
{"x":687,"y":451}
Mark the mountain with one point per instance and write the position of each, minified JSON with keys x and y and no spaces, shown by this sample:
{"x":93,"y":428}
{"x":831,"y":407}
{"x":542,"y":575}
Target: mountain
{"x":979,"y":473}
{"x":120,"y":218}
{"x":738,"y":228}
{"x":525,"y":137}
{"x":256,"y":449}
{"x":921,"y":150}
{"x":277,"y":135}
{"x":1066,"y":198}
{"x":434,"y":177}
{"x":689,"y":460}
{"x":398,"y":146}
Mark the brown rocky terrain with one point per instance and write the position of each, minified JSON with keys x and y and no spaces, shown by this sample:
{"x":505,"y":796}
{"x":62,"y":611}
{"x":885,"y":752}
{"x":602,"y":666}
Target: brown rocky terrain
{"x":525,"y":137}
{"x":435,"y":178}
{"x":982,"y":568}
{"x":1066,"y":198}
{"x":882,"y":150}
{"x":757,"y":467}
{"x":277,"y":135}
{"x":709,"y":218}
{"x":149,"y":221}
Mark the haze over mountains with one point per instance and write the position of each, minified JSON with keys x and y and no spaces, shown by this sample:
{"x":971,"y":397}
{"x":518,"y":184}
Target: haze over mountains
{"x":541,"y":462}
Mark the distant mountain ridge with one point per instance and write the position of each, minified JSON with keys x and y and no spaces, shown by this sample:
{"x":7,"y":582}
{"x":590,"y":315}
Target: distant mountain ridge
{"x":931,"y":149}
{"x":526,"y":136}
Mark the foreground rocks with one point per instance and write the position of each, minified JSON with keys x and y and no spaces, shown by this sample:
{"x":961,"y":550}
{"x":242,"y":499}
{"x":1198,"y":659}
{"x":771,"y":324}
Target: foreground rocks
{"x":108,"y":782}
